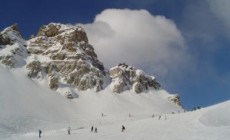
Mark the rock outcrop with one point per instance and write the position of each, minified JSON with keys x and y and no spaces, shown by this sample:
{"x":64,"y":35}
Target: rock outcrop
{"x":175,"y":99}
{"x":125,"y":77}
{"x":69,"y":57}
{"x":12,"y":47}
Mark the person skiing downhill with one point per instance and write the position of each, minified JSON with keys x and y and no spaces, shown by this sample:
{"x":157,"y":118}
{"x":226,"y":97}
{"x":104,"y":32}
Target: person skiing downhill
{"x":92,"y":129}
{"x":122,"y":128}
{"x":39,"y":133}
{"x":68,"y":130}
{"x":95,"y":130}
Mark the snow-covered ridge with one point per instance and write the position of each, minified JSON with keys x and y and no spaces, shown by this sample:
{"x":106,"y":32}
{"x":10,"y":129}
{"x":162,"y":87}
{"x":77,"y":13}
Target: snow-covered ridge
{"x":12,"y":47}
{"x":61,"y":56}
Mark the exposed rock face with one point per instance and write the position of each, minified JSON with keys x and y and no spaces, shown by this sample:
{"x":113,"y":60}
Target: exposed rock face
{"x":175,"y":99}
{"x":125,"y":77}
{"x":12,"y":42}
{"x":70,"y":58}
{"x":53,"y":82}
{"x":33,"y":69}
{"x":62,"y":55}
{"x":4,"y":40}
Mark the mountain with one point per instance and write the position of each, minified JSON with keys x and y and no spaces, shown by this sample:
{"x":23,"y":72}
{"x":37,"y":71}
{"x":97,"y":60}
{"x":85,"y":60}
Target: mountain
{"x":60,"y":61}
{"x":27,"y":106}
{"x":61,"y":56}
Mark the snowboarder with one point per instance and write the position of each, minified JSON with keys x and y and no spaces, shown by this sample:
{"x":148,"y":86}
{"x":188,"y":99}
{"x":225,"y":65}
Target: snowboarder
{"x":159,"y":117}
{"x":68,"y":130}
{"x":39,"y":133}
{"x":122,"y":128}
{"x":92,"y":129}
{"x":95,"y":130}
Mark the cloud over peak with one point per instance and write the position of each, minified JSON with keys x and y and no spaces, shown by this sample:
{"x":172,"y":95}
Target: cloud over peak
{"x":137,"y":38}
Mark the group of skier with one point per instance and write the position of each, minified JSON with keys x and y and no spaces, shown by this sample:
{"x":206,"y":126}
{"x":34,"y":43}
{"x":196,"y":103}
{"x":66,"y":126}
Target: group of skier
{"x":92,"y":129}
{"x":69,"y":129}
{"x":95,"y":130}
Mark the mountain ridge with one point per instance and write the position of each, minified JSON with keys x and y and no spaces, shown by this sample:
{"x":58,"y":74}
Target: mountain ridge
{"x":62,"y":54}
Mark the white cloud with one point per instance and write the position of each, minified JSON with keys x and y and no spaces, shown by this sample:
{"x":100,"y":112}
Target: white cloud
{"x":137,"y":38}
{"x":221,"y":9}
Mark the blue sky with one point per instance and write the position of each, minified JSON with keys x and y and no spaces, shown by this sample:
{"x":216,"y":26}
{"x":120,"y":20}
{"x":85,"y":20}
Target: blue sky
{"x":200,"y":74}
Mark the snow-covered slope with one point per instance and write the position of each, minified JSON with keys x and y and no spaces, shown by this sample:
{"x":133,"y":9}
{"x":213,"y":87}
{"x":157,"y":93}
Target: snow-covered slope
{"x":27,"y":106}
{"x":217,"y":116}
{"x":60,"y":60}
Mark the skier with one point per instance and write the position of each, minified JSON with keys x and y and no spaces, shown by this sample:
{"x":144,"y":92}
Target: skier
{"x":92,"y":129}
{"x":68,"y":130}
{"x":165,"y":117}
{"x":40,"y":133}
{"x":102,"y":114}
{"x":95,"y":130}
{"x":159,"y":117}
{"x":122,"y":128}
{"x":129,"y":115}
{"x":153,"y":116}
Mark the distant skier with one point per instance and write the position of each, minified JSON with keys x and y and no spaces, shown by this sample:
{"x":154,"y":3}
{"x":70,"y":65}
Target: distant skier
{"x":159,"y":117}
{"x":165,"y":117}
{"x":95,"y":130}
{"x":129,"y":115}
{"x":122,"y":128}
{"x":68,"y":130}
{"x":153,"y":116}
{"x":102,"y":114}
{"x":39,"y":133}
{"x":92,"y":129}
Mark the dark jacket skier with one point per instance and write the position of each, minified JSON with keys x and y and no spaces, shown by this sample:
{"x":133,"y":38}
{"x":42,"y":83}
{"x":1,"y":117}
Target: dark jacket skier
{"x":39,"y":133}
{"x":122,"y":128}
{"x":95,"y":130}
{"x":68,"y":130}
{"x":92,"y":129}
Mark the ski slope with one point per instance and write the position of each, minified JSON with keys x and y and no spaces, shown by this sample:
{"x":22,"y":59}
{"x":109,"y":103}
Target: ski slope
{"x":27,"y":106}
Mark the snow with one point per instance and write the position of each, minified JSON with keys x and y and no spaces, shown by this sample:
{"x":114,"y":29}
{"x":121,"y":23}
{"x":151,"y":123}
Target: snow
{"x":26,"y":106}
{"x":217,"y":116}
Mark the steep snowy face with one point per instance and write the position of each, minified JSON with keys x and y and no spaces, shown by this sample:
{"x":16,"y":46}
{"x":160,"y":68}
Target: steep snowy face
{"x":125,"y":77}
{"x":12,"y":47}
{"x":63,"y":53}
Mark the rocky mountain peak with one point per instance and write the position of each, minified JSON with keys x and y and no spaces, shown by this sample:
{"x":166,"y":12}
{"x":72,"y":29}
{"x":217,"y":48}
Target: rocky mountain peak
{"x":10,"y":35}
{"x":73,"y":33}
{"x":62,"y":55}
{"x":125,"y":77}
{"x":12,"y":46}
{"x":69,"y":57}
